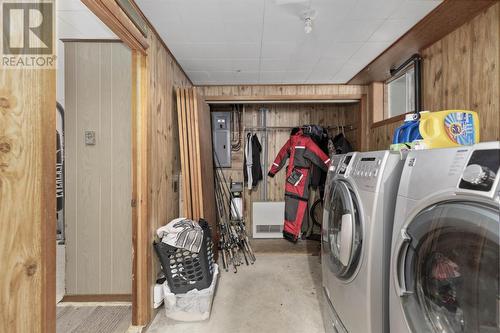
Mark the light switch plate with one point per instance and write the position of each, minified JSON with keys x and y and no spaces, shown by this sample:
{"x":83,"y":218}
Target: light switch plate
{"x":90,"y":138}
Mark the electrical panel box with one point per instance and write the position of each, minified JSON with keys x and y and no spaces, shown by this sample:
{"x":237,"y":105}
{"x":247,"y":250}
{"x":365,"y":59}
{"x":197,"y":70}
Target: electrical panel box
{"x":221,"y":137}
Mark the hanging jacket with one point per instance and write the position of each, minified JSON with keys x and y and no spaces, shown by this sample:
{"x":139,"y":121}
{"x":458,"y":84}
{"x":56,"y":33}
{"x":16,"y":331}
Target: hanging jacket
{"x":320,"y":137}
{"x":342,"y":145}
{"x":247,"y":162}
{"x":302,"y":153}
{"x":252,"y":172}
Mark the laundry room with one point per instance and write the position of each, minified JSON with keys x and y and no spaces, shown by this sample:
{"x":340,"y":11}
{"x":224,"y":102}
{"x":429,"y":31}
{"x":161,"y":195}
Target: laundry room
{"x":322,"y":166}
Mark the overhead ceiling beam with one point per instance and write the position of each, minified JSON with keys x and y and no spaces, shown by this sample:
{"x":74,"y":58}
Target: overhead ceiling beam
{"x":445,"y":18}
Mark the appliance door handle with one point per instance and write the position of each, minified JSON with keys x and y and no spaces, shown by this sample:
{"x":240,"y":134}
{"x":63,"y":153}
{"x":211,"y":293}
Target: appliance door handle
{"x":401,"y":264}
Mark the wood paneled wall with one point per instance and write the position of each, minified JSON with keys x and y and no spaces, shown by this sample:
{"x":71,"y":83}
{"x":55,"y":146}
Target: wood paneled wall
{"x":98,"y":87}
{"x":163,"y":142}
{"x":461,"y":71}
{"x":27,"y":199}
{"x":291,"y":114}
{"x":285,"y":92}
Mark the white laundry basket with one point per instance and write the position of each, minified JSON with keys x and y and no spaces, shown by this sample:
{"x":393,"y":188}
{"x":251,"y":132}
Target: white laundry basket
{"x":195,"y":305}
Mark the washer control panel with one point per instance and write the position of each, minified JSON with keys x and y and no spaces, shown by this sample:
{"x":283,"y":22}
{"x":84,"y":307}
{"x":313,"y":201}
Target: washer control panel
{"x":367,"y":168}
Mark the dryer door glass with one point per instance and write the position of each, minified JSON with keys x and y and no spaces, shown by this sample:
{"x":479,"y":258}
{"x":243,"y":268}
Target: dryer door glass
{"x":343,"y":231}
{"x":451,"y":269}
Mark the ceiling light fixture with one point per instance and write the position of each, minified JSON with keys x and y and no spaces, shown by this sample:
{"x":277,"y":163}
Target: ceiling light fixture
{"x":308,"y":16}
{"x":308,"y":27}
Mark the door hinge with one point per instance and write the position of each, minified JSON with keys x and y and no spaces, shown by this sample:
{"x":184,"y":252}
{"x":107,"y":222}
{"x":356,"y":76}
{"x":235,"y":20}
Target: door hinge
{"x":133,"y":203}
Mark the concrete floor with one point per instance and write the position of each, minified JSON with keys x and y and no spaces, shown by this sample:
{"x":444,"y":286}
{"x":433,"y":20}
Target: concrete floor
{"x":280,"y":293}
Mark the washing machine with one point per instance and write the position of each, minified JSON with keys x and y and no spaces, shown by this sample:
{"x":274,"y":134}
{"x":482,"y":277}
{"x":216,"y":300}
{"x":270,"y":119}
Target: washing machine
{"x":357,"y":230}
{"x":445,"y":247}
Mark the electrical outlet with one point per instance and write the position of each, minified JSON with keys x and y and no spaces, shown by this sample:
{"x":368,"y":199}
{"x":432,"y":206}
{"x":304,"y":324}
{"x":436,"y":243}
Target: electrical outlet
{"x":90,"y":138}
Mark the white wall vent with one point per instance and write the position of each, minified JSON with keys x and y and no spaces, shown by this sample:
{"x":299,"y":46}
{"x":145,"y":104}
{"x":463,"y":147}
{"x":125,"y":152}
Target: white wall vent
{"x":268,"y":218}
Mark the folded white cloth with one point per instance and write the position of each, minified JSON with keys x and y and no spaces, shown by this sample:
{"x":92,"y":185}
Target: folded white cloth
{"x":182,"y":233}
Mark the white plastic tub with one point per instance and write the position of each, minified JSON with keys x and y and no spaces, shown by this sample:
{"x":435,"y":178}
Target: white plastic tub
{"x":195,"y":305}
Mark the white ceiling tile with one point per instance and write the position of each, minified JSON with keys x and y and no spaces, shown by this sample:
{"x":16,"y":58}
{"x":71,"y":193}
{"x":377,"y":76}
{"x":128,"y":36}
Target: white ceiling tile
{"x":414,"y":10}
{"x":391,"y":30}
{"x":272,"y":76}
{"x":274,"y":64}
{"x":265,"y":39}
{"x":69,"y":5}
{"x":220,"y":64}
{"x":295,"y":76}
{"x":343,"y":50}
{"x":215,"y":50}
{"x":368,"y":52}
{"x":346,"y":72}
{"x":198,"y":76}
{"x":66,"y":30}
{"x":356,"y":30}
{"x":86,"y":23}
{"x":278,"y":49}
{"x":374,"y":9}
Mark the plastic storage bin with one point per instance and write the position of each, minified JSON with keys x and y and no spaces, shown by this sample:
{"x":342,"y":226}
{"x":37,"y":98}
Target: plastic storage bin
{"x":195,"y":305}
{"x":186,"y":270}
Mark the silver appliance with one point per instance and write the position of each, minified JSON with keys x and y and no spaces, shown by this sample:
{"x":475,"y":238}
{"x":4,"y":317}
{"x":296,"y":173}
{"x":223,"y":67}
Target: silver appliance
{"x":445,"y":246}
{"x":357,"y":229}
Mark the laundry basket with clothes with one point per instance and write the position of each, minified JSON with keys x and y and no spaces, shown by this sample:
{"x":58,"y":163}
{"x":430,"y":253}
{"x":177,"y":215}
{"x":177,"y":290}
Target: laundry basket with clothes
{"x":186,"y":254}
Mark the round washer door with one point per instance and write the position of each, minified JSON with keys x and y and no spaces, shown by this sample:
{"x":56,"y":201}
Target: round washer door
{"x":342,"y":234}
{"x":448,"y":269}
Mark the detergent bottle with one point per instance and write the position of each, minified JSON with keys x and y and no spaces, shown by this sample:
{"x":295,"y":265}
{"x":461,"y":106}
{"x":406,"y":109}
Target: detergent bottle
{"x":448,"y":128}
{"x":408,"y":132}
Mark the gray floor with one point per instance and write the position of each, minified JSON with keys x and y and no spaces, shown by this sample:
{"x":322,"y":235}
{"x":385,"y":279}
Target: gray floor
{"x":93,"y":319}
{"x":280,"y":293}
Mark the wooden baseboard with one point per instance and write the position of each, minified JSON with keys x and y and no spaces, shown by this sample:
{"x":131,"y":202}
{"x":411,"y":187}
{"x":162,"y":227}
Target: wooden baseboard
{"x":98,"y":298}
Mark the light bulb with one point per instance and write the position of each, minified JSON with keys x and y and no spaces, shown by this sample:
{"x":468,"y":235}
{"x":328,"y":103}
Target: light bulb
{"x":308,"y":25}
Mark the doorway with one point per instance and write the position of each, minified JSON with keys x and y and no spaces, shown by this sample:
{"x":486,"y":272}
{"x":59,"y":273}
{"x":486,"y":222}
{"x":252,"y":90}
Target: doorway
{"x":94,"y":233}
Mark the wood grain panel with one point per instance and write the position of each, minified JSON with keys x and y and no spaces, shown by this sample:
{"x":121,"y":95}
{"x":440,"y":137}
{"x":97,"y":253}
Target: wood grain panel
{"x":99,"y":228}
{"x":163,"y":155}
{"x":27,"y":200}
{"x":432,"y":85}
{"x":284,"y":115}
{"x":195,"y":113}
{"x":461,"y":71}
{"x":282,"y":92}
{"x":485,"y":72}
{"x":457,"y":55}
{"x":447,"y":17}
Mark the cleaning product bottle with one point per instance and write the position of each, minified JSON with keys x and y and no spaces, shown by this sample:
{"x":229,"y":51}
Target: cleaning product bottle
{"x":408,"y":132}
{"x":448,"y":128}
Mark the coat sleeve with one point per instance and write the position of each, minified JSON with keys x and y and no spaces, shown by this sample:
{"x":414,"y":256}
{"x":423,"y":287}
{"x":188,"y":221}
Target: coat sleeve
{"x":314,"y":154}
{"x":280,"y":159}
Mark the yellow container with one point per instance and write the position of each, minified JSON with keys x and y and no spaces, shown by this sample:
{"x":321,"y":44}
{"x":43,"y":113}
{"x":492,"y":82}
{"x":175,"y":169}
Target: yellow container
{"x":448,"y":128}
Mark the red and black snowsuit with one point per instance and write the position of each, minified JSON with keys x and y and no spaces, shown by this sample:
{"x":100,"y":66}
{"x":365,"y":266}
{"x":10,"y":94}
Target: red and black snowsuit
{"x":302,"y":152}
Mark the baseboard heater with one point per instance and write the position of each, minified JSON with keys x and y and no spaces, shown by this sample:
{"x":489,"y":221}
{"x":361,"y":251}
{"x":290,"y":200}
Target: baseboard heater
{"x":267,"y":219}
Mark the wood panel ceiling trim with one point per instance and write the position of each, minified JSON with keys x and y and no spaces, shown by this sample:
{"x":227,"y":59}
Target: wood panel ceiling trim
{"x":445,"y":18}
{"x":110,"y":13}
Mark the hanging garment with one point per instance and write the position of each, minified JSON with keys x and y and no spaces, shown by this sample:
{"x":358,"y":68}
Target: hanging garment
{"x":256,"y":167}
{"x":303,"y":153}
{"x":320,"y":137}
{"x":247,"y":165}
{"x":342,"y":145}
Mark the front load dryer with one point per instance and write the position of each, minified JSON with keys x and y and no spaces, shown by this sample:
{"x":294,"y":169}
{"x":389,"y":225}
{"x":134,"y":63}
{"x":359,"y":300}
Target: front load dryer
{"x":356,"y":236}
{"x":445,"y":247}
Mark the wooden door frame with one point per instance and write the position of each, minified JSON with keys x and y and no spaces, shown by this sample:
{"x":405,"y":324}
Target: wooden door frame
{"x":114,"y":18}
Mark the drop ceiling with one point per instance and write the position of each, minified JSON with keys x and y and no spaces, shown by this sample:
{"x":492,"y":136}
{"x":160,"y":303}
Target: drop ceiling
{"x":263,"y":41}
